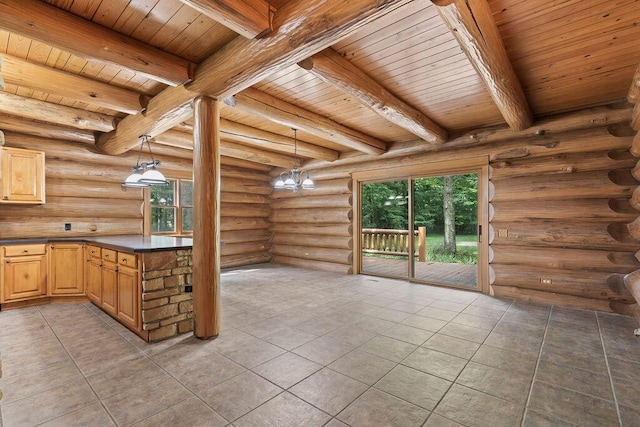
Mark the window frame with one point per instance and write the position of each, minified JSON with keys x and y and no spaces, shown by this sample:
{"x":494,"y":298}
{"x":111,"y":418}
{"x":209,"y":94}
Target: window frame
{"x":177,"y":206}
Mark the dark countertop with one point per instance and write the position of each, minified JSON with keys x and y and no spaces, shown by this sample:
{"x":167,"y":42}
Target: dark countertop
{"x":125,"y":243}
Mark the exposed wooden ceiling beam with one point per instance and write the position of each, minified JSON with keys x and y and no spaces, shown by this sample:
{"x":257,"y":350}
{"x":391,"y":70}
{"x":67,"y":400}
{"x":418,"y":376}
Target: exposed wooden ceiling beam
{"x":301,"y":28}
{"x":472,"y":24}
{"x":249,"y":18}
{"x":23,"y":73}
{"x":247,"y":135}
{"x":184,"y":140}
{"x":634,"y":90}
{"x":56,"y":27}
{"x":336,"y":70}
{"x":264,"y":105}
{"x":55,"y":113}
{"x":45,"y":130}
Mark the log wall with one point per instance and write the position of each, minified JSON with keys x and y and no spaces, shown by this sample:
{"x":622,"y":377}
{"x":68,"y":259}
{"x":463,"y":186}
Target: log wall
{"x":83,"y":188}
{"x":559,"y":207}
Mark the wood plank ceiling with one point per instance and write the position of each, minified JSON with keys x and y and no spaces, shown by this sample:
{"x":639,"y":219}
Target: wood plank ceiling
{"x":566,"y":55}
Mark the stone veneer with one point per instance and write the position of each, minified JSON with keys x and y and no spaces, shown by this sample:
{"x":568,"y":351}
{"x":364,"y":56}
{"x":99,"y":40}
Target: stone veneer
{"x":167,"y":310}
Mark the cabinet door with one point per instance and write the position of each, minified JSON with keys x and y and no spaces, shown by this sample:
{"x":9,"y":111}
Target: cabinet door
{"x":24,"y":277}
{"x":94,"y":282}
{"x":128,"y":294}
{"x":66,"y":265}
{"x":22,"y":175}
{"x":109,"y":288}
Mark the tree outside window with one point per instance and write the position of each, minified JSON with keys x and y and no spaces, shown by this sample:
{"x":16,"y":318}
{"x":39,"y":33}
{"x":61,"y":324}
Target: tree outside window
{"x":172,"y":207}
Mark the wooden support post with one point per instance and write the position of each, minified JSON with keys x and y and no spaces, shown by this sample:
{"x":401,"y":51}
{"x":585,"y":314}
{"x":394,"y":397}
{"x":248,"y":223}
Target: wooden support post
{"x":422,"y":244}
{"x":206,"y":217}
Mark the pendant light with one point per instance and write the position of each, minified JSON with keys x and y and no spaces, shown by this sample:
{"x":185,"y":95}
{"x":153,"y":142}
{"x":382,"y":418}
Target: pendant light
{"x":291,"y":180}
{"x":145,"y":174}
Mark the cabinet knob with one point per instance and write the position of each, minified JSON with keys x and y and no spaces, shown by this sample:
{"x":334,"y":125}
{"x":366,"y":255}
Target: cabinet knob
{"x":5,"y":197}
{"x":25,"y":251}
{"x":106,"y":255}
{"x":124,"y":260}
{"x":8,"y":261}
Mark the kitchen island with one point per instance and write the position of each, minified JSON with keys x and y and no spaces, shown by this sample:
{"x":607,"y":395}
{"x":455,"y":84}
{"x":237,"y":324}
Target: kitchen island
{"x":144,"y":282}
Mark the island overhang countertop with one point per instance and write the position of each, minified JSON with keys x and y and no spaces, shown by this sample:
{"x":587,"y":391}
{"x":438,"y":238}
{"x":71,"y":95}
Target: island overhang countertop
{"x":125,"y":243}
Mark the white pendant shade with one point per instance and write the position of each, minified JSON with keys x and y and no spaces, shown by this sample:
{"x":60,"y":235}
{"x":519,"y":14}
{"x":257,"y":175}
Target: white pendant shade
{"x":153,"y":176}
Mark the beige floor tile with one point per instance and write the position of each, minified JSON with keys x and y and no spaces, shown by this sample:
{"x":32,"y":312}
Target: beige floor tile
{"x":435,"y":363}
{"x":436,"y":420}
{"x":438,"y":313}
{"x":319,"y":325}
{"x":491,"y":313}
{"x":263,"y":328}
{"x":573,"y":357}
{"x":91,"y":415}
{"x":136,"y":372}
{"x":566,"y":376}
{"x":627,"y":392}
{"x":473,"y":408}
{"x":136,"y":403}
{"x":408,"y":334}
{"x":540,"y":419}
{"x":351,"y":335}
{"x":451,"y":345}
{"x":407,"y":307}
{"x":285,"y":410}
{"x":475,"y":321}
{"x":362,"y":366}
{"x":414,"y":386}
{"x":239,"y":395}
{"x":388,"y":348}
{"x":253,"y":353}
{"x":191,"y":412}
{"x":629,"y":417}
{"x":287,"y":369}
{"x":448,"y":305}
{"x":335,"y":423}
{"x":522,"y":363}
{"x":323,"y":350}
{"x":504,"y":326}
{"x":422,"y":322}
{"x":469,"y":333}
{"x":373,"y":324}
{"x":289,"y":338}
{"x":572,"y":406}
{"x":520,"y":344}
{"x":16,"y":387}
{"x":379,"y":409}
{"x":329,"y":390}
{"x":48,"y":405}
{"x":202,"y":373}
{"x":505,"y":385}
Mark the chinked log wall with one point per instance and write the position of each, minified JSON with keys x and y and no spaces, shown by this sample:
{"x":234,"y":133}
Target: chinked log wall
{"x":562,"y":198}
{"x":83,"y":188}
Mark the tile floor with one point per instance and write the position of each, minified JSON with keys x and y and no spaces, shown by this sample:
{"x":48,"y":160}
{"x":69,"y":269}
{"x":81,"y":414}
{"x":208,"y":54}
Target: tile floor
{"x":307,"y":348}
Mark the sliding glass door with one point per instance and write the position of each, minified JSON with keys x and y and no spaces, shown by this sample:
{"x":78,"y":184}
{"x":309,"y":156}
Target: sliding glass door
{"x":425,"y":227}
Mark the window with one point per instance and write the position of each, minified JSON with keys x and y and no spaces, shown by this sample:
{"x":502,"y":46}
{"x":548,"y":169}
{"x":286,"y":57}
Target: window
{"x":172,"y":207}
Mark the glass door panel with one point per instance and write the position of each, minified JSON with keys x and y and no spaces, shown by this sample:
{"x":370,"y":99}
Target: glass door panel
{"x":445,"y":222}
{"x":385,"y":241}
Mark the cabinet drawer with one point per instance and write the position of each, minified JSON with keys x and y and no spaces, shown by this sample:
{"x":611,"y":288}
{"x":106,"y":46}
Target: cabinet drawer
{"x":130,"y":260}
{"x":94,"y":251}
{"x":109,"y":255}
{"x":21,"y":250}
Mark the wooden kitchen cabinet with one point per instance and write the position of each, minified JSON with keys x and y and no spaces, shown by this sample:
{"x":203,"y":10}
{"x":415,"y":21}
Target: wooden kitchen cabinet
{"x":93,"y":274}
{"x":109,"y":278}
{"x":66,"y":269}
{"x":21,"y":176}
{"x":24,"y":272}
{"x":128,"y":296}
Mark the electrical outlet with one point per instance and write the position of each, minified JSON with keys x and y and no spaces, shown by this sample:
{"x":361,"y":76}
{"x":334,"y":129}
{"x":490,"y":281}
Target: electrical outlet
{"x":67,"y":226}
{"x":545,"y":281}
{"x":188,"y":288}
{"x":503,"y":232}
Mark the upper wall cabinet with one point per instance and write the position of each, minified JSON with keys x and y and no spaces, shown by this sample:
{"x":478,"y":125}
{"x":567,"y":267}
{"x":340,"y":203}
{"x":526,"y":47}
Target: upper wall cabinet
{"x":21,"y":176}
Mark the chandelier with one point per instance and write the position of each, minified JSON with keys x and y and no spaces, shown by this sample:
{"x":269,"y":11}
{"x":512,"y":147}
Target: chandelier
{"x":293,"y":180}
{"x":145,"y":174}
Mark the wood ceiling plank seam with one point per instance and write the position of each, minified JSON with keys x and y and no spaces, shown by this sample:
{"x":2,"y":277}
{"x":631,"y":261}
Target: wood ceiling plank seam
{"x":109,"y":11}
{"x":414,"y":77}
{"x":38,"y":52}
{"x":86,"y":9}
{"x":580,"y":67}
{"x":4,"y":40}
{"x":431,"y":97}
{"x":175,"y":26}
{"x":423,"y":41}
{"x":447,"y":83}
{"x":536,"y":46}
{"x":74,"y":64}
{"x":133,"y":16}
{"x":199,"y":25}
{"x":202,"y":47}
{"x":449,"y":59}
{"x":155,"y":20}
{"x":18,"y":46}
{"x":392,"y":55}
{"x":382,"y":29}
{"x":515,"y":12}
{"x":57,"y":59}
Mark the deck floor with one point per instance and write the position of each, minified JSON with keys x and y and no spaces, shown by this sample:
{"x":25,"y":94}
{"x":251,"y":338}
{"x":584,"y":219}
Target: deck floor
{"x":432,"y":272}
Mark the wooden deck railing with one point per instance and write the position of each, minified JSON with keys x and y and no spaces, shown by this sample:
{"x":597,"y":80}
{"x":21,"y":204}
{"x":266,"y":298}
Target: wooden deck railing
{"x":394,"y":242}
